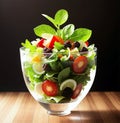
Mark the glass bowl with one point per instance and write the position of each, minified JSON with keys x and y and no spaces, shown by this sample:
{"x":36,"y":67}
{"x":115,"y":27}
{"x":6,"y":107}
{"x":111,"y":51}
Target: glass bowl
{"x":72,"y":87}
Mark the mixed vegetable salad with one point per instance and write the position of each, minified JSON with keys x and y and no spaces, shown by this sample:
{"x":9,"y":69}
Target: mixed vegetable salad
{"x":58,"y":63}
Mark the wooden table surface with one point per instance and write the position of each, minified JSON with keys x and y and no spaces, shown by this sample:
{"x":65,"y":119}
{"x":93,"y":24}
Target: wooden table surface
{"x":97,"y":107}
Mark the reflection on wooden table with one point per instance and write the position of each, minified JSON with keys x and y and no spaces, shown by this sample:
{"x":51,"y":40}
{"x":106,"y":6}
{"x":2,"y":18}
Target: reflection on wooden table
{"x":97,"y":107}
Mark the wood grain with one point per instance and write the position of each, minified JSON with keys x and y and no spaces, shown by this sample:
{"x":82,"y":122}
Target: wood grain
{"x":97,"y":107}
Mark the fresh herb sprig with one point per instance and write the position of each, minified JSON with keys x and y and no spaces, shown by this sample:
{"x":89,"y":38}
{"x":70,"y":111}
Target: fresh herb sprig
{"x":68,"y":32}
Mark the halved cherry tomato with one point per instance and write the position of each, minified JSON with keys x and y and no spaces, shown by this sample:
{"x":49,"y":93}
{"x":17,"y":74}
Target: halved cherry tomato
{"x":40,"y":43}
{"x":77,"y":91}
{"x":55,"y":39}
{"x":79,"y":64}
{"x":50,"y":88}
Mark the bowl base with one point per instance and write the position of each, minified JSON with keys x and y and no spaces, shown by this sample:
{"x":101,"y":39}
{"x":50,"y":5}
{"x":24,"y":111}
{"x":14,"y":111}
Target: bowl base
{"x":59,"y":113}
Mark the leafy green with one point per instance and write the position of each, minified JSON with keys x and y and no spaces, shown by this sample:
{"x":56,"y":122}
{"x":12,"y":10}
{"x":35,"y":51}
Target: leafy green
{"x":33,"y":77}
{"x":68,"y":31}
{"x":28,"y":45}
{"x":60,"y":33}
{"x":50,"y":75}
{"x":66,"y":63}
{"x":91,"y":56}
{"x":43,"y":28}
{"x":61,"y":17}
{"x":66,"y":54}
{"x":64,"y":74}
{"x":82,"y":79}
{"x":50,"y":19}
{"x":91,"y":47}
{"x":91,"y":61}
{"x":81,"y":34}
{"x":58,"y":46}
{"x":55,"y":99}
{"x":52,"y":58}
{"x":56,"y":66}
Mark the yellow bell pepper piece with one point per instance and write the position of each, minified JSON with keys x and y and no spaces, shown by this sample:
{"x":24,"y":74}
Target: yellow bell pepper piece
{"x":36,"y":59}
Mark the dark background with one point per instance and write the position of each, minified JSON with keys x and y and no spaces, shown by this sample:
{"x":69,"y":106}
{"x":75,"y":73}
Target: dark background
{"x":19,"y":17}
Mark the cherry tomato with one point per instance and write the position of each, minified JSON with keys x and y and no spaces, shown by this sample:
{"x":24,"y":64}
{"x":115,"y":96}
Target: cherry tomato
{"x":79,"y":64}
{"x":87,"y":43}
{"x":55,"y":39}
{"x":40,"y":43}
{"x":71,"y":57}
{"x":77,"y":91}
{"x":50,"y":88}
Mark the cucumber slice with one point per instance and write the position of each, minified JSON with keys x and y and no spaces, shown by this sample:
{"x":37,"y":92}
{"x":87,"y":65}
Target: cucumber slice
{"x":37,"y":68}
{"x":38,"y":88}
{"x":71,"y":83}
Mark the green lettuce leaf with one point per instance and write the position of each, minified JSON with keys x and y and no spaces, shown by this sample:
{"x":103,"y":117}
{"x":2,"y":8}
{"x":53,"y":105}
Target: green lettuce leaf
{"x":32,"y":76}
{"x":55,"y":99}
{"x":28,"y":45}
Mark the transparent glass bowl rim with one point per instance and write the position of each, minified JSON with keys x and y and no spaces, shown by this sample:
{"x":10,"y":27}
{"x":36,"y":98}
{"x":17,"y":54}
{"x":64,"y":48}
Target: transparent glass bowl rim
{"x":81,"y":52}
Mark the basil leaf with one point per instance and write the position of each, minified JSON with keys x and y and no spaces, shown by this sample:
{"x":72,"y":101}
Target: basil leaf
{"x":68,"y":31}
{"x":50,"y":19}
{"x":61,"y":17}
{"x":64,"y":74}
{"x":43,"y":28}
{"x":60,"y":33}
{"x":56,"y":66}
{"x":81,"y":34}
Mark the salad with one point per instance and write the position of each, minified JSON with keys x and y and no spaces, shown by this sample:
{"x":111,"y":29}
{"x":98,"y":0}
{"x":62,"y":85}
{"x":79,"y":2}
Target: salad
{"x":57,"y":64}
